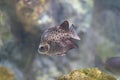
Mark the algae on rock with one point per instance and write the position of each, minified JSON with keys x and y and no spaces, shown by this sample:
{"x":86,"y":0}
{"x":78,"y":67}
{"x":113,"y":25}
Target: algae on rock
{"x":87,"y":74}
{"x":6,"y":74}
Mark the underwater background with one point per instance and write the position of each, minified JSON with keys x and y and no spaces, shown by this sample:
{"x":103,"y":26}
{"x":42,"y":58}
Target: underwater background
{"x":23,"y":21}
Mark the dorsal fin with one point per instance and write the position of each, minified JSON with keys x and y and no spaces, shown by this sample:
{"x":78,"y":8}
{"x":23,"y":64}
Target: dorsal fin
{"x":64,"y":26}
{"x":74,"y":35}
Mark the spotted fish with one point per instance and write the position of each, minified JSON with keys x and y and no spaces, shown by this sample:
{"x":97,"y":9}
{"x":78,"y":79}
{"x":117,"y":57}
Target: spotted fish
{"x":58,"y":40}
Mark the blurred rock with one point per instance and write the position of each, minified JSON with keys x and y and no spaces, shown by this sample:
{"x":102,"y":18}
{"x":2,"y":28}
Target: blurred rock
{"x":5,"y":34}
{"x":105,"y":20}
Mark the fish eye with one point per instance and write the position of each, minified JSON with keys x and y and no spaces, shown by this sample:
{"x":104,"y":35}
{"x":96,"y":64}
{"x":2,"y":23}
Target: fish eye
{"x":43,"y":48}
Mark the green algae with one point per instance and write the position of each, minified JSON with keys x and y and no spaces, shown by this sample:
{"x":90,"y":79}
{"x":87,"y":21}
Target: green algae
{"x":87,"y":74}
{"x":6,"y":74}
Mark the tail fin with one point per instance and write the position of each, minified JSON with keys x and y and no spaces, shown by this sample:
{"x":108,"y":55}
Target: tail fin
{"x":74,"y":35}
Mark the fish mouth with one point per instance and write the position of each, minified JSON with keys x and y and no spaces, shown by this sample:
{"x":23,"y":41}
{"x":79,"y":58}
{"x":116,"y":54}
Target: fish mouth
{"x":43,"y":48}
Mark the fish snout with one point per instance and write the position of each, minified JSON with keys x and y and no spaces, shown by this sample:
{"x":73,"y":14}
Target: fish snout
{"x":43,"y":48}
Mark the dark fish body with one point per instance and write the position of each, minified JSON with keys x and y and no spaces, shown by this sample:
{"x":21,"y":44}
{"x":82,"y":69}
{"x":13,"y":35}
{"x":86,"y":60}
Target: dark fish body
{"x":57,"y":40}
{"x":113,"y":65}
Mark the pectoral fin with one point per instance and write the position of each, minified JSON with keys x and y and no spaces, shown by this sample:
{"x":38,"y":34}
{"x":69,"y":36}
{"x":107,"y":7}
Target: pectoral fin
{"x":66,"y":46}
{"x":70,"y":44}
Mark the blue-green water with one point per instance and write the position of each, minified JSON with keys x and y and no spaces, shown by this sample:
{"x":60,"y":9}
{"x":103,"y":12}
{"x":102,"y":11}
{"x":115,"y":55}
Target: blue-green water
{"x":22,"y":22}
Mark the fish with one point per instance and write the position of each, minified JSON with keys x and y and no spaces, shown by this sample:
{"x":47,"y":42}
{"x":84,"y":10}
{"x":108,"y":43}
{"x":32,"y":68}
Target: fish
{"x":112,"y":65}
{"x":58,"y":40}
